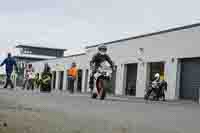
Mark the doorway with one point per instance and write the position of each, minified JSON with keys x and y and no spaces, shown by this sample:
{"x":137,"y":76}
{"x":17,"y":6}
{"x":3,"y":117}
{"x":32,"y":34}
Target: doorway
{"x":61,"y":77}
{"x":54,"y":79}
{"x":86,"y":79}
{"x":79,"y":80}
{"x":131,"y":78}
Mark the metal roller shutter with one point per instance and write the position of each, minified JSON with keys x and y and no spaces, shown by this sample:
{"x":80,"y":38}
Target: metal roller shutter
{"x":190,"y":78}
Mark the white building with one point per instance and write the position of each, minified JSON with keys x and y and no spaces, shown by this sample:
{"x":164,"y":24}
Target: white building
{"x":59,"y":69}
{"x":175,"y":53}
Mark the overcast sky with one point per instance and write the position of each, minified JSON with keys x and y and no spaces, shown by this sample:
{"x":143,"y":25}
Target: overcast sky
{"x":77,"y":23}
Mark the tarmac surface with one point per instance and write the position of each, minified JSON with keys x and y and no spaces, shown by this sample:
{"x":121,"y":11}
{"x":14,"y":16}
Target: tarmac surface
{"x":60,"y":112}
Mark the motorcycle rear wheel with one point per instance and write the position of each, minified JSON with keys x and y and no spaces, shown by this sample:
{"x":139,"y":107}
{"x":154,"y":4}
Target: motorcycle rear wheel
{"x":101,"y":88}
{"x":103,"y":95}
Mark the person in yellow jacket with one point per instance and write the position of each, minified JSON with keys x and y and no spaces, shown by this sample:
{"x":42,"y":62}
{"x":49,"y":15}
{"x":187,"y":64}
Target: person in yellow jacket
{"x":72,"y":75}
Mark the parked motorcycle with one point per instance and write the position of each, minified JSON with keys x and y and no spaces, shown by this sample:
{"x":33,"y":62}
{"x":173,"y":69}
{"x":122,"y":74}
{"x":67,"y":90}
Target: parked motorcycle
{"x":101,"y":79}
{"x":156,"y":91}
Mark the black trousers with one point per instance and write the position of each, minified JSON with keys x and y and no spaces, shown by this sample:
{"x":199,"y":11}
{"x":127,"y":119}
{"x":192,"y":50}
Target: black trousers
{"x":24,"y":84}
{"x":91,"y":81}
{"x":8,"y":80}
{"x":71,"y":84}
{"x":30,"y":84}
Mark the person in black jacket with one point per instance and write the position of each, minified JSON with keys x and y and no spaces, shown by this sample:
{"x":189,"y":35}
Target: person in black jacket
{"x":96,"y":61}
{"x":10,"y":63}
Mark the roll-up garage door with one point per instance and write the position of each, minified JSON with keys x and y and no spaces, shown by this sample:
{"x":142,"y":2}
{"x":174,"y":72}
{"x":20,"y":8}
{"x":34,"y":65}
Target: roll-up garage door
{"x":190,"y":78}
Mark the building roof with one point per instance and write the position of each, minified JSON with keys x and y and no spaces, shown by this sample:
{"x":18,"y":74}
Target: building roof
{"x":74,"y":52}
{"x":16,"y":53}
{"x":74,"y":55}
{"x":147,"y":35}
{"x":32,"y":46}
{"x":34,"y":56}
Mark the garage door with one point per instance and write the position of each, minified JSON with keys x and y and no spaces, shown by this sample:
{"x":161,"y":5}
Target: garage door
{"x":190,"y":78}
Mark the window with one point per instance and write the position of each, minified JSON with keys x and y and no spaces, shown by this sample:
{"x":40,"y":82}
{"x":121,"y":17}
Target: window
{"x":27,"y":51}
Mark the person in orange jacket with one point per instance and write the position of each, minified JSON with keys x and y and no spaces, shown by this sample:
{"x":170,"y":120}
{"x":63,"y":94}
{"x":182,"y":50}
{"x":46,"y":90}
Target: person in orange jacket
{"x":72,"y":75}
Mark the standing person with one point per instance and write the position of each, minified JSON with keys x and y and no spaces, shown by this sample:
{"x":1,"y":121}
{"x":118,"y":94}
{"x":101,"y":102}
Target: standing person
{"x":28,"y":74}
{"x":25,"y":77}
{"x":46,"y":79}
{"x":72,"y":75}
{"x":30,"y":77}
{"x":37,"y":80}
{"x":9,"y":62}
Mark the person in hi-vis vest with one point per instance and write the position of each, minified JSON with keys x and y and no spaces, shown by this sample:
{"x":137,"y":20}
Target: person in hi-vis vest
{"x":72,"y":75}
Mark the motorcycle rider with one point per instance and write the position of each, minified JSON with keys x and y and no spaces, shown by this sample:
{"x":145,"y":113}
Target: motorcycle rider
{"x":96,"y":61}
{"x":155,"y":86}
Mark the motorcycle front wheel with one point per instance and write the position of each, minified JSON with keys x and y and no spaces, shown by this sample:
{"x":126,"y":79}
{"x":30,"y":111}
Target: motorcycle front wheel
{"x":94,"y":95}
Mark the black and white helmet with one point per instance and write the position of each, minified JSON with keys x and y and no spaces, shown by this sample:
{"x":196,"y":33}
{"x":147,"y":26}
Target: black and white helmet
{"x":102,"y":48}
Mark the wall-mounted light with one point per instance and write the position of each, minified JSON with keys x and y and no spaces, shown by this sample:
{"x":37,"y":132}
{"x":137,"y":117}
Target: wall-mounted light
{"x":142,"y":64}
{"x":141,"y":51}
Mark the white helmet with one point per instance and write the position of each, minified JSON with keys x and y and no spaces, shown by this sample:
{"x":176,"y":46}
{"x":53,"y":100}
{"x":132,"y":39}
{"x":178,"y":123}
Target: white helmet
{"x":157,"y":75}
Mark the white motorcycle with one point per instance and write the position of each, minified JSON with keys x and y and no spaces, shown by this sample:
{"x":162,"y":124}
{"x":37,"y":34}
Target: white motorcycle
{"x":101,"y":79}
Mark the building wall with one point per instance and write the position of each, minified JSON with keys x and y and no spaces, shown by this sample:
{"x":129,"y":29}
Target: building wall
{"x":62,"y":64}
{"x":166,"y":47}
{"x":162,"y":47}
